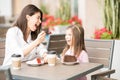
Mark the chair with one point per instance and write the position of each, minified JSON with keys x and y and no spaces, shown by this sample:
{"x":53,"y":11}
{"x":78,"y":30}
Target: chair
{"x":56,"y":42}
{"x":5,"y":73}
{"x":2,"y":51}
{"x":101,"y":75}
{"x":2,"y":19}
{"x":100,"y":51}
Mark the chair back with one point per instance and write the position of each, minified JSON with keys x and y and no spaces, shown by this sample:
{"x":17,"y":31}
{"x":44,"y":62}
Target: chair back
{"x":2,"y":19}
{"x":2,"y":51}
{"x":5,"y":73}
{"x":56,"y":42}
{"x":100,"y":51}
{"x":102,"y":75}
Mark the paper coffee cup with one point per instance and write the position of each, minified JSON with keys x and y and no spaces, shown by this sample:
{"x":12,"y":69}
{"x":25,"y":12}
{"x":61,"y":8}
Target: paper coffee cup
{"x":16,"y":61}
{"x":51,"y":58}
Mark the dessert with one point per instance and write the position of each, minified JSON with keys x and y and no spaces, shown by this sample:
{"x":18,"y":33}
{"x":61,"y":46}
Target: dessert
{"x":69,"y":58}
{"x":38,"y":60}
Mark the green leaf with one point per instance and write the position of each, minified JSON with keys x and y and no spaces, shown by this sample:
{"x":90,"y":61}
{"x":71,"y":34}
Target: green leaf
{"x":106,"y":35}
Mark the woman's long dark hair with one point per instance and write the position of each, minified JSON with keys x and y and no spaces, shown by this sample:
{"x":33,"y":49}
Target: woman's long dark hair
{"x":22,"y":21}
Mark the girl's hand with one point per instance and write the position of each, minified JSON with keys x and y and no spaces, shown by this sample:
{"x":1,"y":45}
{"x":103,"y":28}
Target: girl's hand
{"x":45,"y":60}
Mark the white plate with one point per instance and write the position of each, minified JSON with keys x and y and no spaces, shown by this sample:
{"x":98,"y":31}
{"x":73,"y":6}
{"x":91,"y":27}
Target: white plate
{"x":70,"y":63}
{"x":34,"y":63}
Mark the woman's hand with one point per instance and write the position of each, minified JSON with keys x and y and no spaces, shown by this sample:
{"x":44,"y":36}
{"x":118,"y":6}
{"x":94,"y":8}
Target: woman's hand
{"x":40,"y":37}
{"x":45,"y":58}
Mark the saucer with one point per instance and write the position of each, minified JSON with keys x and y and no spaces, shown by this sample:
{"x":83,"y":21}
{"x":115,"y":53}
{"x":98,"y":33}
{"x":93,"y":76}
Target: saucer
{"x":70,"y":63}
{"x":34,"y":63}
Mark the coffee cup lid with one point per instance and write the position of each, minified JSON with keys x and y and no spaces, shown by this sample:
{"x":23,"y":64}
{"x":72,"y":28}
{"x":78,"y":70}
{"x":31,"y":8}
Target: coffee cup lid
{"x":16,"y":55}
{"x":52,"y":52}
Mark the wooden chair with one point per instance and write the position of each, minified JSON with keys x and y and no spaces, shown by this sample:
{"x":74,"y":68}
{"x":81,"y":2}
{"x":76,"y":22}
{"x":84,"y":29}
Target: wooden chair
{"x":100,"y":51}
{"x":5,"y":73}
{"x":56,"y":42}
{"x":101,"y":75}
{"x":2,"y":51}
{"x":2,"y":19}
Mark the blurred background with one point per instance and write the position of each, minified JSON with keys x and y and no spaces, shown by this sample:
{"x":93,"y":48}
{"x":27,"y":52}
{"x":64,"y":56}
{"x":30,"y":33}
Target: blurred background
{"x":88,"y":12}
{"x":99,"y":18}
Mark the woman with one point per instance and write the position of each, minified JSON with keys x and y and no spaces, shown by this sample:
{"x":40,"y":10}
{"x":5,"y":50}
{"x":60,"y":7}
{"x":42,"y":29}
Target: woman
{"x":25,"y":37}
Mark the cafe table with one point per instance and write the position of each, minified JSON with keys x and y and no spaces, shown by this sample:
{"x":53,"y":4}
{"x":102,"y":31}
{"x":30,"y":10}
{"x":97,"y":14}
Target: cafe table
{"x":57,"y":72}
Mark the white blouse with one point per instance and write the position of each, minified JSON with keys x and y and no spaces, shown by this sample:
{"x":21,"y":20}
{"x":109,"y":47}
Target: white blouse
{"x":15,"y":44}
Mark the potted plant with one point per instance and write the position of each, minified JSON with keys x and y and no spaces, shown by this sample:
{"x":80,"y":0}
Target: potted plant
{"x":112,"y":17}
{"x":112,"y":23}
{"x":103,"y":33}
{"x":62,"y":19}
{"x":64,"y":10}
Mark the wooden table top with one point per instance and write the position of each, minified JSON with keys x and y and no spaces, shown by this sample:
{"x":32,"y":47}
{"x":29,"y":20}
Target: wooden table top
{"x":58,"y":72}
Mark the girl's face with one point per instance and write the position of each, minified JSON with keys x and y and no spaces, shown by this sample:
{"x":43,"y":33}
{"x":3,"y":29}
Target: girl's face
{"x":33,"y":21}
{"x":68,"y":37}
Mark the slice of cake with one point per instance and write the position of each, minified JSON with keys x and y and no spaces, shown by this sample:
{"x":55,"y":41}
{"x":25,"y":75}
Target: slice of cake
{"x":69,"y":58}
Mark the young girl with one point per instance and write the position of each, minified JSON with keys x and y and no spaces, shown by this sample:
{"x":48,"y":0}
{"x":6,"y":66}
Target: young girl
{"x":24,"y":37}
{"x":75,"y":45}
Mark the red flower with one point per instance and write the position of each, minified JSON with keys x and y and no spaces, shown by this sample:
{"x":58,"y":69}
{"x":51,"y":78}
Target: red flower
{"x":50,"y":21}
{"x":102,"y":33}
{"x":74,"y":20}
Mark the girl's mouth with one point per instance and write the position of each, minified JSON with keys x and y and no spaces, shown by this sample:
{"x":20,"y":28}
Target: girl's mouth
{"x":68,"y":40}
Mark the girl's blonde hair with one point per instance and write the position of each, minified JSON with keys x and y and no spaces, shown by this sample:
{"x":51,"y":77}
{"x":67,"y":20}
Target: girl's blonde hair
{"x":77,"y":40}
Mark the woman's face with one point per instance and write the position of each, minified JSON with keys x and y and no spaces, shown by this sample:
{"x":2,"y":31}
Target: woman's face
{"x":33,"y":21}
{"x":68,"y":37}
